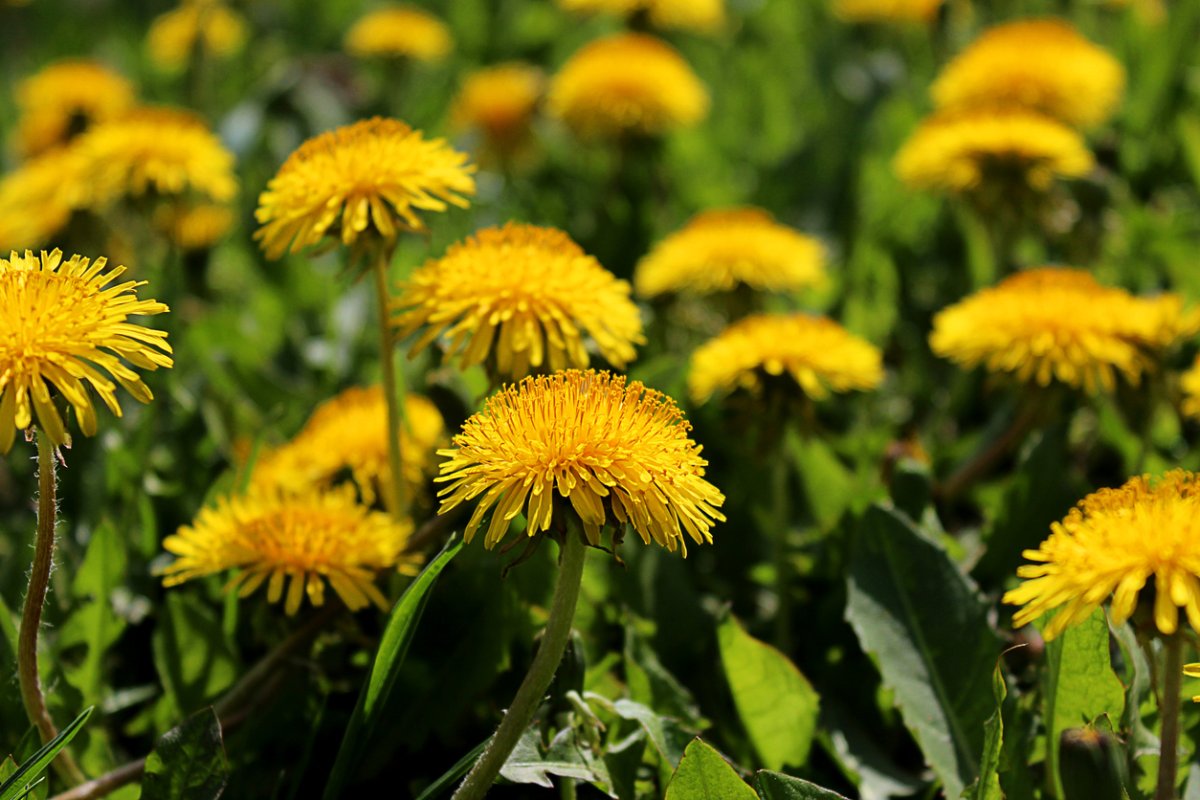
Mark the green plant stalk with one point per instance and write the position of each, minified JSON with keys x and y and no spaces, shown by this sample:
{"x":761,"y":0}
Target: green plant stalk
{"x":391,"y":384}
{"x":1168,"y":712}
{"x":537,"y":679}
{"x":31,"y":616}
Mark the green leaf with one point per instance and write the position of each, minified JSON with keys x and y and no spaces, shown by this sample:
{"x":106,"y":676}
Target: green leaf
{"x":829,"y":486}
{"x":29,"y":773}
{"x":193,"y":656}
{"x":1080,"y":684}
{"x":94,"y":624}
{"x":651,"y":684}
{"x":775,"y":786}
{"x":527,"y":764}
{"x":987,"y":787}
{"x":923,"y":622}
{"x":862,"y":757}
{"x":703,"y":774}
{"x":668,"y":736}
{"x":188,"y":762}
{"x":393,"y":647}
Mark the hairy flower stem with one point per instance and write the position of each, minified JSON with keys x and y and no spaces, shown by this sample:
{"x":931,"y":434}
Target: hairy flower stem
{"x":31,"y":618}
{"x":391,"y":384}
{"x":1168,"y":712}
{"x":537,"y":679}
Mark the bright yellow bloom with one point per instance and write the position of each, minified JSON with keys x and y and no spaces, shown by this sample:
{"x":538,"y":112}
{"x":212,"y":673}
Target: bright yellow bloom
{"x":1042,"y":65}
{"x":1109,"y":545}
{"x":399,"y":32}
{"x":962,"y":152}
{"x":499,"y":102}
{"x":349,"y":433}
{"x":194,"y":227}
{"x":37,"y":198}
{"x":607,"y":446}
{"x":66,"y":98}
{"x":702,"y":16}
{"x":529,"y":291}
{"x":310,"y":537}
{"x":374,"y":175}
{"x":207,"y":25}
{"x":1190,"y":384}
{"x":886,"y":10}
{"x":59,"y":321}
{"x":1059,"y":324}
{"x":627,"y":84}
{"x":718,"y":250}
{"x":816,"y":352}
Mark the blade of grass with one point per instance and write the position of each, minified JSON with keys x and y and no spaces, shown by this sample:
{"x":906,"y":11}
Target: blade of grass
{"x":28,"y":773}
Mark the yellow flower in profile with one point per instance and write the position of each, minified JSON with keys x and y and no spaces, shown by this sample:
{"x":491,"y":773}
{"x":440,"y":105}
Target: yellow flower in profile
{"x":1059,"y":324}
{"x":528,"y":294}
{"x":298,"y":539}
{"x":627,"y":84}
{"x":37,"y":199}
{"x":721,"y":249}
{"x":194,"y":227}
{"x":1043,"y":65}
{"x":1190,"y":384}
{"x":66,"y":98}
{"x":961,"y":152}
{"x":61,"y":324}
{"x":399,"y":32}
{"x":372,"y":176}
{"x":349,"y":433}
{"x":702,"y":16}
{"x":819,"y":355}
{"x":1108,"y":546}
{"x":209,"y":26}
{"x":886,"y":10}
{"x":499,"y":102}
{"x":608,"y":447}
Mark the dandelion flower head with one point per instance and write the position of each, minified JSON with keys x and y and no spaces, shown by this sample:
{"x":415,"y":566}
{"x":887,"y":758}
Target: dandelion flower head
{"x":701,"y":16}
{"x":721,"y":249}
{"x":373,"y":176}
{"x":1108,"y":546}
{"x":64,"y":326}
{"x":886,"y":10}
{"x":66,"y":98}
{"x":499,"y":102}
{"x":210,"y":25}
{"x":607,"y":446}
{"x":38,"y":198}
{"x":399,"y":32}
{"x":529,"y":295}
{"x":627,"y":84}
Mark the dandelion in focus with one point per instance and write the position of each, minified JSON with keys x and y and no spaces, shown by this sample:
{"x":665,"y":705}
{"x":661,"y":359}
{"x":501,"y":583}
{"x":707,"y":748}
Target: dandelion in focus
{"x":700,"y":16}
{"x":197,"y":26}
{"x":499,"y":103}
{"x":66,"y":99}
{"x":399,"y":32}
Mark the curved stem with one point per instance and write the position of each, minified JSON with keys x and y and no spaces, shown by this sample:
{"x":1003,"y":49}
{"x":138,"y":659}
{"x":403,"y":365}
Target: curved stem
{"x":1168,"y":712}
{"x":387,"y":355}
{"x":31,"y":617}
{"x":537,"y":679}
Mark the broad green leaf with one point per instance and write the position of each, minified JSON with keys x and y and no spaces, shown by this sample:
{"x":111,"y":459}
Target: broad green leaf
{"x":30,"y":771}
{"x":923,"y":622}
{"x":188,"y":762}
{"x":775,"y":786}
{"x":193,"y":655}
{"x":667,"y":735}
{"x":987,"y":787}
{"x":776,"y":703}
{"x":94,"y":624}
{"x":393,"y":647}
{"x":703,"y":774}
{"x":1080,"y":684}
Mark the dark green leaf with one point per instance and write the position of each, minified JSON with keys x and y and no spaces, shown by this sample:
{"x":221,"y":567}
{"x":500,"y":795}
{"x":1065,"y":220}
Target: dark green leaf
{"x":775,"y":786}
{"x":855,"y":748}
{"x":703,"y":774}
{"x":30,"y":771}
{"x":527,"y":763}
{"x":667,"y":735}
{"x":987,"y":787}
{"x":188,"y":762}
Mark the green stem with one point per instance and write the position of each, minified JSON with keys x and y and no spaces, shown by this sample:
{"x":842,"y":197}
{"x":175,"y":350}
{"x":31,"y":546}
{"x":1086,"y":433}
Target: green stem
{"x":537,"y":679}
{"x":982,"y":260}
{"x":1168,"y":712}
{"x":387,"y":357}
{"x":31,"y":617}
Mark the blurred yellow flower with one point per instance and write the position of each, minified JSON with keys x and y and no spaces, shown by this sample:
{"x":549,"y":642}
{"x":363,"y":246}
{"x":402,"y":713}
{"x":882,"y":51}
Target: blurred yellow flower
{"x":60,"y":322}
{"x":1189,"y":382}
{"x":1108,"y":546}
{"x":702,"y":16}
{"x":720,"y":249}
{"x":607,"y":446}
{"x":961,"y":152}
{"x":819,"y":355}
{"x":301,"y":539}
{"x":399,"y":32}
{"x":194,"y":227}
{"x":1059,"y":324}
{"x":1192,"y":671}
{"x":627,"y":84}
{"x":886,"y":10}
{"x":37,"y":198}
{"x":65,"y":99}
{"x":369,"y":177}
{"x":499,"y":102}
{"x":528,"y":294}
{"x":207,"y":26}
{"x":1042,"y":65}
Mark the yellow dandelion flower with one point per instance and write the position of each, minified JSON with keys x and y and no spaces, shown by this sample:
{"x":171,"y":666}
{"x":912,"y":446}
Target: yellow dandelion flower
{"x":1059,"y":324}
{"x":820,"y":355}
{"x":499,"y":102}
{"x":627,"y":84}
{"x":374,"y":175}
{"x":607,"y":446}
{"x":1042,"y":65}
{"x":194,"y":227}
{"x":349,"y":433}
{"x":531,"y":292}
{"x":1190,"y":384}
{"x":718,"y":250}
{"x":301,"y":539}
{"x":1192,"y":671}
{"x":399,"y":32}
{"x":37,"y":199}
{"x":207,"y":25}
{"x":1108,"y":546}
{"x":61,"y":323}
{"x":66,"y":98}
{"x":961,"y":152}
{"x":886,"y":10}
{"x":702,"y":16}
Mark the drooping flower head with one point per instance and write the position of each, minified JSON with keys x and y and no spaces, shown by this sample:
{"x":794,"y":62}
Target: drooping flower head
{"x":718,"y":250}
{"x":206,"y":25}
{"x":499,"y":103}
{"x":64,"y":326}
{"x":372,"y":177}
{"x":293,"y":542}
{"x":65,"y":99}
{"x":194,"y":227}
{"x":399,"y":32}
{"x":1059,"y":324}
{"x":819,"y":355}
{"x":1108,"y":546}
{"x":610,"y":448}
{"x":529,"y":295}
{"x":701,"y":16}
{"x":37,"y":199}
{"x":1042,"y":65}
{"x":886,"y":10}
{"x":627,"y":84}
